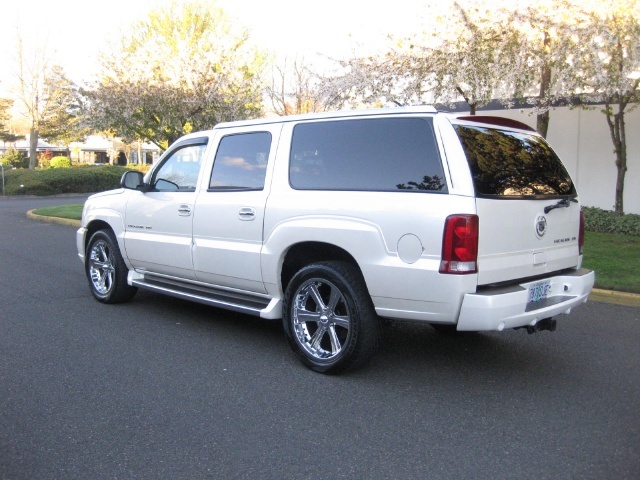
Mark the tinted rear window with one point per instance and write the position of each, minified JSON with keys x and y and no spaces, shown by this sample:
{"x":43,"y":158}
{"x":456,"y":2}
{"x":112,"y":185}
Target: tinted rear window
{"x":513,"y":164}
{"x":383,"y":154}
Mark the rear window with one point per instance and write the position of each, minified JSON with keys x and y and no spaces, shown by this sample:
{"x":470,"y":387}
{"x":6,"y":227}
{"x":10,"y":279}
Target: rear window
{"x":383,"y":154}
{"x":513,"y":164}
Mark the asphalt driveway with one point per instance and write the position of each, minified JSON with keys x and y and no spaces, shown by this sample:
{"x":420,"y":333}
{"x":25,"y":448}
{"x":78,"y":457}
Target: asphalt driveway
{"x":160,"y":388}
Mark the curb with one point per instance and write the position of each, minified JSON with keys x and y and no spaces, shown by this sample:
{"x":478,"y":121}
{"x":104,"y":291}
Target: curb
{"x":619,"y":298}
{"x":58,"y":220}
{"x":597,"y":295}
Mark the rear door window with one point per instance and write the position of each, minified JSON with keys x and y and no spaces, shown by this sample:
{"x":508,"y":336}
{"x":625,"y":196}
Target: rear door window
{"x":241,"y":162}
{"x":510,"y":164}
{"x":384,"y":154}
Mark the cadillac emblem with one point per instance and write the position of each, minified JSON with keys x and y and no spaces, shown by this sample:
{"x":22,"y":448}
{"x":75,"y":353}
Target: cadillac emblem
{"x":541,"y":226}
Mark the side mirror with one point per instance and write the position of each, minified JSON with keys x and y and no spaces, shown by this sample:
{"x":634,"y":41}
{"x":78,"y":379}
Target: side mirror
{"x":132,"y":180}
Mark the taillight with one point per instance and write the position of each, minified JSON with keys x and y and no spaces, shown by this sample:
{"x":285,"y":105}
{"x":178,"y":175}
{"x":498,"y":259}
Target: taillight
{"x":460,"y":245}
{"x":581,"y":233}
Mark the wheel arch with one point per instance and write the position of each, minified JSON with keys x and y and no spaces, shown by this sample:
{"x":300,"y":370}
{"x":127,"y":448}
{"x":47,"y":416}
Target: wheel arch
{"x":302,"y":254}
{"x":92,"y":227}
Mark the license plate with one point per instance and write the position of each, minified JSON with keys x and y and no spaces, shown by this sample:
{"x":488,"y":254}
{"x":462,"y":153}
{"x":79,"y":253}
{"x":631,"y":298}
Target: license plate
{"x":539,"y":290}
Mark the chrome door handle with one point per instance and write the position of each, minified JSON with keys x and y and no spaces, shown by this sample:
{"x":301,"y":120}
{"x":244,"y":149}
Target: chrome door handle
{"x":184,"y":210}
{"x":247,"y":213}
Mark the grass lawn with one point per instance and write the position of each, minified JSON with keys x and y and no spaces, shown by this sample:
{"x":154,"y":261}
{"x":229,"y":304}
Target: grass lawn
{"x":615,"y":258}
{"x":74,"y":212}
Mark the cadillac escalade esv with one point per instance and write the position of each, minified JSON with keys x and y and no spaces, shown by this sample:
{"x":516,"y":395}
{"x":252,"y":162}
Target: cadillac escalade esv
{"x":334,"y":221}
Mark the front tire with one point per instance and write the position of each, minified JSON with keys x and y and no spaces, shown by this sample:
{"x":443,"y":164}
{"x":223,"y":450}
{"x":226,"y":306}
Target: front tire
{"x":106,"y":270}
{"x":328,"y":317}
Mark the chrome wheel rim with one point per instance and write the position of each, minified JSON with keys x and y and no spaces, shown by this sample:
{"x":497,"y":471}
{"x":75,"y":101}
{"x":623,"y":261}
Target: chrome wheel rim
{"x":321,"y":319}
{"x":101,"y":269}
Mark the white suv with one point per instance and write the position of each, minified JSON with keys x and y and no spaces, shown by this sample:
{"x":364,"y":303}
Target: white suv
{"x":332,"y":221}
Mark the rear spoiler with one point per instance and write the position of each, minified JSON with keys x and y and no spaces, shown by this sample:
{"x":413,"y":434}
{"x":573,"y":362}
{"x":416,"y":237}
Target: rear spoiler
{"x":497,"y":121}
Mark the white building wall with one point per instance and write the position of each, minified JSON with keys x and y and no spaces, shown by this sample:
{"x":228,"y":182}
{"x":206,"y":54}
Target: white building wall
{"x":582,"y":140}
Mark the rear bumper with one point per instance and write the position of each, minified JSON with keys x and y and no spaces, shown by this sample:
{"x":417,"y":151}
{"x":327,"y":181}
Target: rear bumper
{"x":500,"y":308}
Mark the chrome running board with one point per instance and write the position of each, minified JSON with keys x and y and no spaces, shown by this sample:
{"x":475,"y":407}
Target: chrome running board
{"x":238,"y":301}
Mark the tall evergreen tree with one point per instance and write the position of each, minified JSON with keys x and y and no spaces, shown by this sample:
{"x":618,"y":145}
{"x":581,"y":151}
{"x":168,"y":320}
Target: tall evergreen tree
{"x":61,"y":120}
{"x":5,"y":116}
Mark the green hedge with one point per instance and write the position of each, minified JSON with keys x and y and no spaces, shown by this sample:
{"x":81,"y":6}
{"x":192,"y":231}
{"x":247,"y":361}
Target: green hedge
{"x":89,"y":179}
{"x":604,"y":221}
{"x":62,"y":180}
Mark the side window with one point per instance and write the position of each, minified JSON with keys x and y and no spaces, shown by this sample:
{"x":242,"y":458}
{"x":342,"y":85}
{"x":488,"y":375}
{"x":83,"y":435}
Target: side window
{"x":384,"y":154}
{"x":241,"y":162}
{"x":179,"y":172}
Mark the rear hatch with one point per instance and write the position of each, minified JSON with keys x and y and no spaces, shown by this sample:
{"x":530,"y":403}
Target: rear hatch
{"x":527,"y":205}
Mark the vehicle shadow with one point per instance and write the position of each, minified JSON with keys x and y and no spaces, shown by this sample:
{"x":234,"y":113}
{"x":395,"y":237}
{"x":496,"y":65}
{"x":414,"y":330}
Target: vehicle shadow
{"x":408,"y":350}
{"x":417,"y":351}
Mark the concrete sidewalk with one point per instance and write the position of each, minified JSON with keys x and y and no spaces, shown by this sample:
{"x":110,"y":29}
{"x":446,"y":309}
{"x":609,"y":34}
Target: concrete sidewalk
{"x":597,"y":295}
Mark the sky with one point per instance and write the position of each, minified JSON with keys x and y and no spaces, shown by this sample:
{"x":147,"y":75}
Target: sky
{"x":74,"y":31}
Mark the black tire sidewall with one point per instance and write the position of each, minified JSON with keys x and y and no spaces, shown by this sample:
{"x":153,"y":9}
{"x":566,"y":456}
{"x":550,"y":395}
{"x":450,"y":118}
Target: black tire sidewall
{"x":120,"y":290}
{"x":362,"y":340}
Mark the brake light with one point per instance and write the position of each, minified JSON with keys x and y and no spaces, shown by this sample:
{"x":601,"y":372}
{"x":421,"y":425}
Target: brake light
{"x":460,"y":245}
{"x":581,"y":233}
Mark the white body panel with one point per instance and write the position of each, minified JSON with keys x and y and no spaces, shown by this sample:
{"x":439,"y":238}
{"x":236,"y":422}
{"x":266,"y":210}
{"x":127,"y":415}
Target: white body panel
{"x":236,"y":243}
{"x":107,"y":207}
{"x":510,"y":247}
{"x":158,"y":232}
{"x":228,"y":229}
{"x":371,"y":234}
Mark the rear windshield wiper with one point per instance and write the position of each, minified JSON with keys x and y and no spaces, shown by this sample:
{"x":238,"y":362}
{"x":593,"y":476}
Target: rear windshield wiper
{"x":564,"y":203}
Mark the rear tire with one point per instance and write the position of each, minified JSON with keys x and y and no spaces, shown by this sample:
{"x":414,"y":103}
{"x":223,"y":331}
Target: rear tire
{"x":329,"y":319}
{"x":106,"y":270}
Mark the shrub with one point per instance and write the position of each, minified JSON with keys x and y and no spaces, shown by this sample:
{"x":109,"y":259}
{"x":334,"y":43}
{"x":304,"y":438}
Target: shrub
{"x":604,"y":221}
{"x":144,"y":168}
{"x":60,"y":162}
{"x":14,"y":159}
{"x":44,"y":158}
{"x":63,"y":180}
